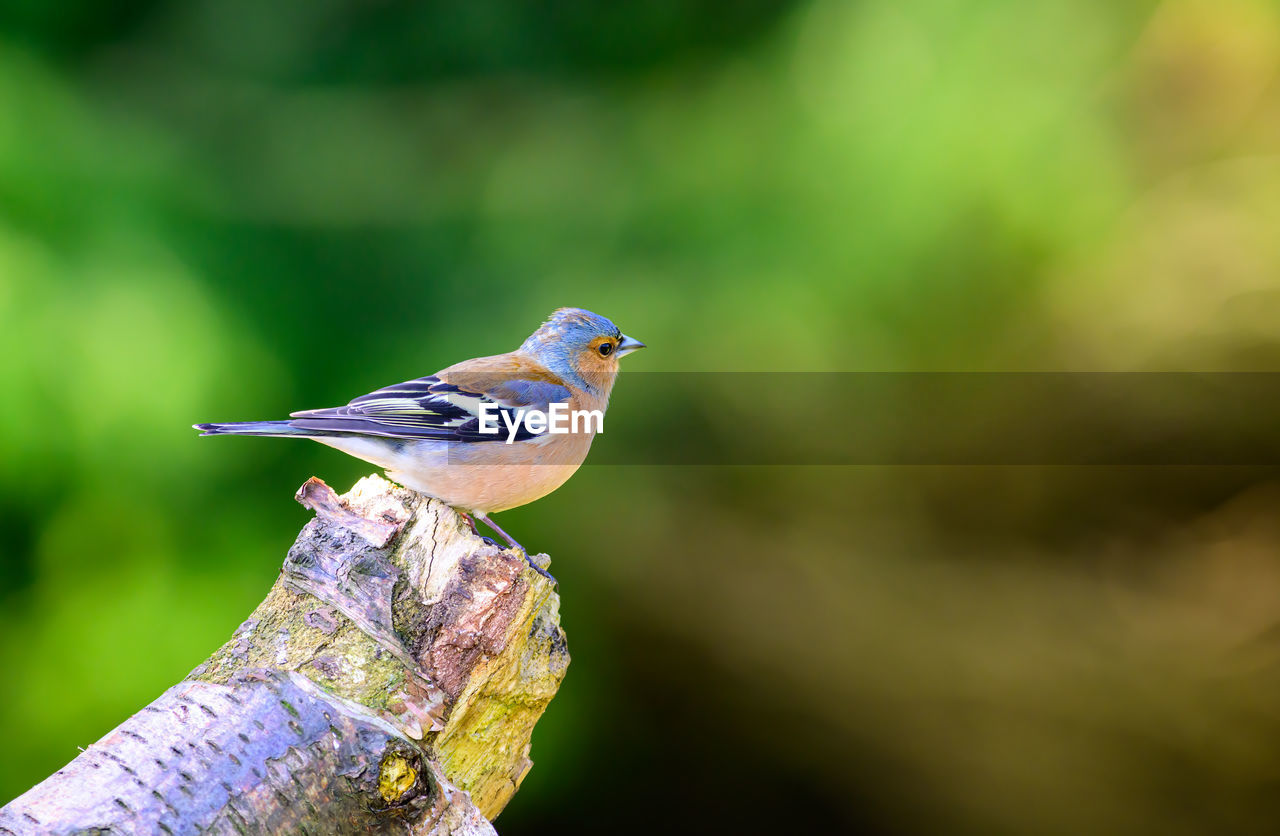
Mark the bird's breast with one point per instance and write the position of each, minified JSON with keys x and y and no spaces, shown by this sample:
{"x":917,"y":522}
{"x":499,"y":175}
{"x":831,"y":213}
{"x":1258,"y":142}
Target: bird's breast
{"x":493,"y":476}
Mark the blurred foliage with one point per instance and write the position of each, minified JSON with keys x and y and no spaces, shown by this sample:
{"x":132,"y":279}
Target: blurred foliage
{"x":216,"y":209}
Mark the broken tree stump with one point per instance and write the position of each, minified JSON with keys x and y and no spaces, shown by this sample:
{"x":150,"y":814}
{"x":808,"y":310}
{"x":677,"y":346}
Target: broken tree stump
{"x":390,"y":681}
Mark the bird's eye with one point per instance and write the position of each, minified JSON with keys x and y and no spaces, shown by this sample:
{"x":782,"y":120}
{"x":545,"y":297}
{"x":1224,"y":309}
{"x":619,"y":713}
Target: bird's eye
{"x":605,"y":349}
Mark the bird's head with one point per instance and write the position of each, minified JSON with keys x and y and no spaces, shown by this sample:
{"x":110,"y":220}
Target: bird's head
{"x":581,"y":347}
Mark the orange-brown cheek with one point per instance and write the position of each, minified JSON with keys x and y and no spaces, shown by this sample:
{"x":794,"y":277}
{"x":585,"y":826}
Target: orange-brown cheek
{"x":592,"y":361}
{"x":593,"y":367}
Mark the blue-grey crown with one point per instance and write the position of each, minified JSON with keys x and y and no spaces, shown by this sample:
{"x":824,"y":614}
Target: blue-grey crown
{"x":566,"y":331}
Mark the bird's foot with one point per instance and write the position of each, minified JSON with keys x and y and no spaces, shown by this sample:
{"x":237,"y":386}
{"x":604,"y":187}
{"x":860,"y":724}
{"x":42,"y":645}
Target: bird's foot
{"x":512,"y":544}
{"x":535,"y":567}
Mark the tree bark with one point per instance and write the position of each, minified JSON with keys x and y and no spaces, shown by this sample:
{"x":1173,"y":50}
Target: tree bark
{"x":389,"y":682}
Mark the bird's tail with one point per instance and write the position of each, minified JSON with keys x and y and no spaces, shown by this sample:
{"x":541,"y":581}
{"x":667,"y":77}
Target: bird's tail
{"x":280,"y":428}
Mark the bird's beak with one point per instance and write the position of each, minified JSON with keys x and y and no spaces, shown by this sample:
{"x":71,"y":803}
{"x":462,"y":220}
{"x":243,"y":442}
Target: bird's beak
{"x":628,"y":345}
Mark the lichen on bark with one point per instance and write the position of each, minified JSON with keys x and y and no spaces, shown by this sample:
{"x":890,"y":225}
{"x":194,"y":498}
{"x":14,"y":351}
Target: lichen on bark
{"x":394,"y":673}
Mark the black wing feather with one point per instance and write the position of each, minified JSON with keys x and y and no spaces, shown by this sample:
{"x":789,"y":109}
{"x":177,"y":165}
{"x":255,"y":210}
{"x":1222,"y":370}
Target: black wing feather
{"x":426,"y":408}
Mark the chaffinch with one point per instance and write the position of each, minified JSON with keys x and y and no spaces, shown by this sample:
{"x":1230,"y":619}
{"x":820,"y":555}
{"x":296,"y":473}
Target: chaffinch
{"x":469,"y":435}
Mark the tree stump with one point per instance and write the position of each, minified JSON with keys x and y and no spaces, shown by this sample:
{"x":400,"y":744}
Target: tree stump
{"x":389,"y":682}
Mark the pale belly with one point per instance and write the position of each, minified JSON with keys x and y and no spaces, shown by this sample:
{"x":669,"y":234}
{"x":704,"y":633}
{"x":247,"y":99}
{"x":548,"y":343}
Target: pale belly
{"x":486,"y":477}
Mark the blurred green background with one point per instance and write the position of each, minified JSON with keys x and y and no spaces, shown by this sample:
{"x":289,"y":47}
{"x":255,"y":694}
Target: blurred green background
{"x":224,"y":209}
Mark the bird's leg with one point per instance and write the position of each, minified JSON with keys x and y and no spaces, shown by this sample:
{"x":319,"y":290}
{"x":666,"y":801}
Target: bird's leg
{"x":511,"y":543}
{"x":472,"y":524}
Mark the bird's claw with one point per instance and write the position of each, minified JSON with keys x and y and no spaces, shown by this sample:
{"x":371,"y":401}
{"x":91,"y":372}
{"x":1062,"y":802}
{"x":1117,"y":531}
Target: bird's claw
{"x":511,"y":543}
{"x":535,"y":567}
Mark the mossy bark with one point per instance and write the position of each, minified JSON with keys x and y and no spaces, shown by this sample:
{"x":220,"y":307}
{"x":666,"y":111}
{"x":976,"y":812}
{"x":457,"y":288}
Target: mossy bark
{"x":390,"y":680}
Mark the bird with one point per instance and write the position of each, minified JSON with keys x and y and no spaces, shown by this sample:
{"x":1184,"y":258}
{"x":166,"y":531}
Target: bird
{"x":468,"y":435}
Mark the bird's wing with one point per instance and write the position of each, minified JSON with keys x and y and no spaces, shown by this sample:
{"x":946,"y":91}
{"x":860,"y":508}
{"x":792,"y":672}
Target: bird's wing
{"x":444,"y":406}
